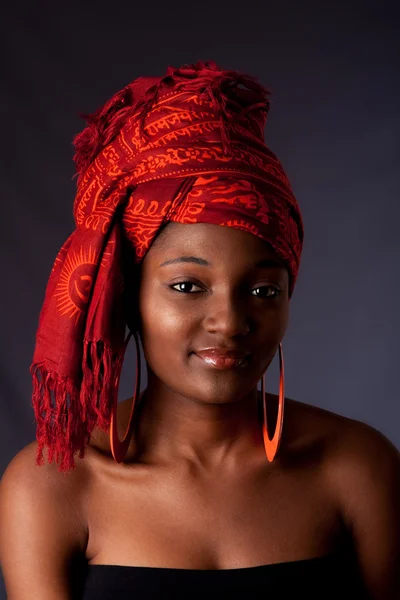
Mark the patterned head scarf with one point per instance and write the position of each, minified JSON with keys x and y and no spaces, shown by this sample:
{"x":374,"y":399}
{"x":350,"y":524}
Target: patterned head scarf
{"x":187,"y":147}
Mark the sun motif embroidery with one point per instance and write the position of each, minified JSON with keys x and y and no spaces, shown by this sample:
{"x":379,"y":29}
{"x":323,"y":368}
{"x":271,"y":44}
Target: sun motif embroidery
{"x":75,"y":283}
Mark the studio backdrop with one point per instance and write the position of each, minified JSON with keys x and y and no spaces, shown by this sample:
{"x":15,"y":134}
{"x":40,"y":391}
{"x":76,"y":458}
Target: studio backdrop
{"x":334,"y":122}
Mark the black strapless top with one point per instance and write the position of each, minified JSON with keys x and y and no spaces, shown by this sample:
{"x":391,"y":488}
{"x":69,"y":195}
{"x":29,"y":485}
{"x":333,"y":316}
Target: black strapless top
{"x":328,"y":577}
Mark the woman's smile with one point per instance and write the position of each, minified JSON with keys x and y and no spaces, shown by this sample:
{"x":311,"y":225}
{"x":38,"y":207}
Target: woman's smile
{"x":219,"y":362}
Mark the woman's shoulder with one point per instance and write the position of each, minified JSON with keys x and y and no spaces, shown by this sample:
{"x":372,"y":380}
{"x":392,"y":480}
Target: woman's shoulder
{"x":40,"y":510}
{"x":342,"y":445}
{"x":45,"y":481}
{"x":362,"y":473}
{"x":359,"y":461}
{"x":23,"y":468}
{"x":307,"y":427}
{"x":341,"y":434}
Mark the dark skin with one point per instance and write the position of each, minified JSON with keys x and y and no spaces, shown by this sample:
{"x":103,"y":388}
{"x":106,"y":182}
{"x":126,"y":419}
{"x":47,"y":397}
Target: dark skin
{"x":195,"y":490}
{"x":192,"y":412}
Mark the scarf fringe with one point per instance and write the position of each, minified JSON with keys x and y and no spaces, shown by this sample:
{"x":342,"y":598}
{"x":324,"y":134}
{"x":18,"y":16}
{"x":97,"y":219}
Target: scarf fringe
{"x":66,"y":414}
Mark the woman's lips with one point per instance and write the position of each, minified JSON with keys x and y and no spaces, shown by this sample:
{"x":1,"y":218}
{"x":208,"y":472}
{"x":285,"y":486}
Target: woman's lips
{"x":221,"y":362}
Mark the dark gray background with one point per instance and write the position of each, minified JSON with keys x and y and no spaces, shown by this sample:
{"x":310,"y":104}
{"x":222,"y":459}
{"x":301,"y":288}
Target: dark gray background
{"x":334,"y":122}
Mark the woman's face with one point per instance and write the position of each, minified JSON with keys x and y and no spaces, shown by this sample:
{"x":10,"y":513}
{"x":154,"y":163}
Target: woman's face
{"x":228,"y":301}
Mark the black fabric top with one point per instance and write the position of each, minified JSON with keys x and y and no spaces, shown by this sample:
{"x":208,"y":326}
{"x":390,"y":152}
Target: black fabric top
{"x":327,"y":577}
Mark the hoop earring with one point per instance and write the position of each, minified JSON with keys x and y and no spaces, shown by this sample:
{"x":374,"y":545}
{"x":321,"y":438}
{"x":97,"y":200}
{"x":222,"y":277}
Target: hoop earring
{"x":119,"y":448}
{"x":272,"y":446}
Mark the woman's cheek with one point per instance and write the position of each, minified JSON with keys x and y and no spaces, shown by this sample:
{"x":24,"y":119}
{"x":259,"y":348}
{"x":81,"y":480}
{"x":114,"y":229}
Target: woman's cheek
{"x":163,"y":325}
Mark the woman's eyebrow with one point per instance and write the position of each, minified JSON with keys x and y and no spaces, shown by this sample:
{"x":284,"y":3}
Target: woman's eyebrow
{"x":264,"y":263}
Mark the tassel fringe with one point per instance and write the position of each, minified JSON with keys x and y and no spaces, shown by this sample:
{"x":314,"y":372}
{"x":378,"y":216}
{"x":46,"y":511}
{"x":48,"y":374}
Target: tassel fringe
{"x":65,"y":414}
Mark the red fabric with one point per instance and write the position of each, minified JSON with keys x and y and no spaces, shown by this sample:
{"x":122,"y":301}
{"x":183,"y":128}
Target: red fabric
{"x":187,"y":147}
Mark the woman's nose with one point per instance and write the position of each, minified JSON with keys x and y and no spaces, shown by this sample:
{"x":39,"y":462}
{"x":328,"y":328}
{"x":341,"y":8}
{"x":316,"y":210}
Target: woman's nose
{"x":228,"y":316}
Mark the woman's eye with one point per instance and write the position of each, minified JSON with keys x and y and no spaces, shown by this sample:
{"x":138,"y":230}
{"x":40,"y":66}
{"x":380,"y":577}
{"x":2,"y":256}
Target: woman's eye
{"x":265,"y":287}
{"x":182,"y":283}
{"x":268,"y":287}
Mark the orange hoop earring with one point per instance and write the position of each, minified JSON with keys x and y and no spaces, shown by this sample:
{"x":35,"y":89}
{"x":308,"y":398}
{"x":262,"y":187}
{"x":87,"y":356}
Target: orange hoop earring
{"x":272,"y":446}
{"x":119,"y":448}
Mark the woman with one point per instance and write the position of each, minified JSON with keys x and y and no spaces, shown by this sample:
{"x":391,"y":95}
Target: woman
{"x":187,"y":231}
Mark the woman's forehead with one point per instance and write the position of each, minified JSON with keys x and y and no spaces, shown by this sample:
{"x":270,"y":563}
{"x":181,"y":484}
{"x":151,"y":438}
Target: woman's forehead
{"x":212,"y":243}
{"x":205,"y":236}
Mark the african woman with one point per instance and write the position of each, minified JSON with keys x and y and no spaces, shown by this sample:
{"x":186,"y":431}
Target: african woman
{"x":188,"y":236}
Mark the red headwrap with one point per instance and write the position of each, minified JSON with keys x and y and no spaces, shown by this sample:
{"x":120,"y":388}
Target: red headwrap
{"x":187,"y":147}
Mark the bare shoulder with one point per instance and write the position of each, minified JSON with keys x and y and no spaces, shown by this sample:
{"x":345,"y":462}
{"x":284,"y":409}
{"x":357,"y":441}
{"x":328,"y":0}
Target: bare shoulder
{"x":42,"y":525}
{"x":309,"y":430}
{"x":363,"y":467}
{"x":45,"y":478}
{"x":349,"y":443}
{"x":355,"y":451}
{"x":363,"y":472}
{"x":45,"y":486}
